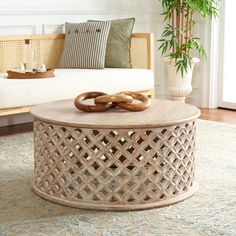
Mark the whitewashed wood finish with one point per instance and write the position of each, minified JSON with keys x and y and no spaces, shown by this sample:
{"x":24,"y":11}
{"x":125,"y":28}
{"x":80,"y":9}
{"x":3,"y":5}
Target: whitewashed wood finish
{"x":160,"y":113}
{"x":115,"y":160}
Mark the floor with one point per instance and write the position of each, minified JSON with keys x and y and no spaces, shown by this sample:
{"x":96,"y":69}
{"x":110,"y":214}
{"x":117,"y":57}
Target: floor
{"x":220,"y":114}
{"x":211,"y":212}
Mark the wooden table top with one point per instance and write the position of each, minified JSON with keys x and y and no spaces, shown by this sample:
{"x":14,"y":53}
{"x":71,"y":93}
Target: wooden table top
{"x":160,"y":113}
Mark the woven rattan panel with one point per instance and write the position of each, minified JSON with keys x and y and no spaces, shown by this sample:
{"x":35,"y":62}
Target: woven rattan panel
{"x":139,"y":52}
{"x":105,"y":167}
{"x":11,"y":54}
{"x":49,"y":50}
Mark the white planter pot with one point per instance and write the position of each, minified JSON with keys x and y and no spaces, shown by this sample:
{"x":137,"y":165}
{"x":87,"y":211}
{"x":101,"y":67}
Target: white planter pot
{"x":179,"y":87}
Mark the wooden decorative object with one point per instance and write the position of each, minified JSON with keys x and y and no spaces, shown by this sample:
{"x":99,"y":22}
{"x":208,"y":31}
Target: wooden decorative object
{"x":78,"y":102}
{"x":104,"y":102}
{"x":113,"y":98}
{"x":145,"y":102}
{"x":116,"y":160}
{"x":29,"y":75}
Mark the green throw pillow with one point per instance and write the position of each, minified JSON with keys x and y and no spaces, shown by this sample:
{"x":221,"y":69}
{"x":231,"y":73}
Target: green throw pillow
{"x":119,"y":43}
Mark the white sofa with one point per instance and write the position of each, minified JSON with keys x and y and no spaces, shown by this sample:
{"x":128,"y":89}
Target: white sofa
{"x":68,"y":83}
{"x":18,"y":95}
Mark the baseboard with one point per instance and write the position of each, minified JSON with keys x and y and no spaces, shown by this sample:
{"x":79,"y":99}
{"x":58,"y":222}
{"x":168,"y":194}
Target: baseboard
{"x":198,"y":102}
{"x":15,"y":119}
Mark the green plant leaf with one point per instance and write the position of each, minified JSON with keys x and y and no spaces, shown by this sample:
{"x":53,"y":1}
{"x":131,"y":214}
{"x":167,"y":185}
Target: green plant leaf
{"x":177,"y":43}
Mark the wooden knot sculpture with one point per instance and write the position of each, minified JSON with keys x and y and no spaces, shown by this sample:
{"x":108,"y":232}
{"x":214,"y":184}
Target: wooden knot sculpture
{"x":104,"y":102}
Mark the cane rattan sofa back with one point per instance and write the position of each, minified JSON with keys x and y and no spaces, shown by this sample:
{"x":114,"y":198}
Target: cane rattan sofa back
{"x":48,"y":49}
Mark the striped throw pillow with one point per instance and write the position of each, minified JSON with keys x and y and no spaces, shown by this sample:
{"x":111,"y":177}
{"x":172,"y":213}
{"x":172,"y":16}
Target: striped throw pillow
{"x":85,"y":45}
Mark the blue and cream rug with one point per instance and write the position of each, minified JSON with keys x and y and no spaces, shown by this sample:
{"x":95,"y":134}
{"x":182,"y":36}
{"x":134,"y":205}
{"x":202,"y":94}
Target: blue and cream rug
{"x":211,"y":211}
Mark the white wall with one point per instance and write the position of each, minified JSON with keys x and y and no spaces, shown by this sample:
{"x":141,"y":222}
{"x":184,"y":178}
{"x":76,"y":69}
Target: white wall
{"x":48,"y":16}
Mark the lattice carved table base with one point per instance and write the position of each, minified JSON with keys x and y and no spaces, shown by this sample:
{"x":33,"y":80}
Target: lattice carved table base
{"x":120,"y":169}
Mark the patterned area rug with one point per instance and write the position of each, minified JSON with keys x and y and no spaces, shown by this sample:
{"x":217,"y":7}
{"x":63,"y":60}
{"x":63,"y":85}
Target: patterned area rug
{"x":211,"y":211}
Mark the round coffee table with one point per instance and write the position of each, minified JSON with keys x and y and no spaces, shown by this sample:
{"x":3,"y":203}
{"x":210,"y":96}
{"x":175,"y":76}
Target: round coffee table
{"x":115,"y":160}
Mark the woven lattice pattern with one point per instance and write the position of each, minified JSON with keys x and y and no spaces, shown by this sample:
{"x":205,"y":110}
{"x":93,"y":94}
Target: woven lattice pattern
{"x":49,"y":50}
{"x":11,"y":54}
{"x":139,"y":53}
{"x":117,"y":167}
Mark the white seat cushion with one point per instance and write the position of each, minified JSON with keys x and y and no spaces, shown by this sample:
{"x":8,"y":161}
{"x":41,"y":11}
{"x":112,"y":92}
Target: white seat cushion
{"x":68,"y":83}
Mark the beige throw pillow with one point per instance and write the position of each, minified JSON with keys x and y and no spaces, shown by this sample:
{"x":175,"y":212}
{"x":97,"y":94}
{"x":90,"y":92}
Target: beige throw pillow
{"x":85,"y":45}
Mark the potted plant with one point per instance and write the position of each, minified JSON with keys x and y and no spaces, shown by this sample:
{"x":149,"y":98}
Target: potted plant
{"x":178,"y":41}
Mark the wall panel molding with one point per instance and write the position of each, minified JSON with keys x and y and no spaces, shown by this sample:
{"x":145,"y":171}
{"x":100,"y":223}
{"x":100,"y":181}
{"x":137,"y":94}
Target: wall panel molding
{"x":17,"y":29}
{"x":102,"y":10}
{"x":52,"y":29}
